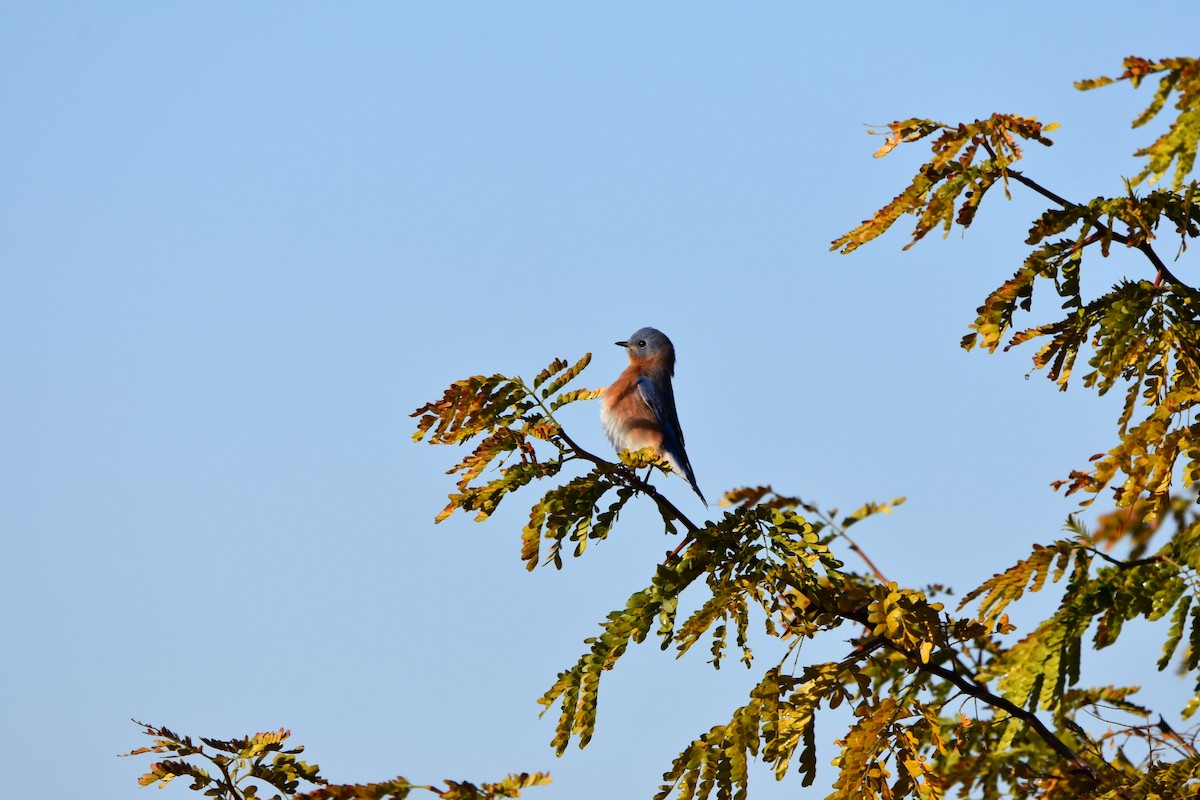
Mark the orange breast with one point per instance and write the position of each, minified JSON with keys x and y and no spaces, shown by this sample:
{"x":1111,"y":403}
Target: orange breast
{"x":628,"y":421}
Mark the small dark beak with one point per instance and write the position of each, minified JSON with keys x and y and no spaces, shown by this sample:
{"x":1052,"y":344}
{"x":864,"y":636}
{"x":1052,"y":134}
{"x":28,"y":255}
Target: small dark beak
{"x":621,"y":344}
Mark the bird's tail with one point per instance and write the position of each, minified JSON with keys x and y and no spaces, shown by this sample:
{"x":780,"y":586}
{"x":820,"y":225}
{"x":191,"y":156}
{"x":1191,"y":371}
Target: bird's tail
{"x":685,"y":471}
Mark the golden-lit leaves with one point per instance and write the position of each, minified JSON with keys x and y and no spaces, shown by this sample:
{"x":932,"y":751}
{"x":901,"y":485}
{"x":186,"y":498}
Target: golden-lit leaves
{"x":1178,"y":144}
{"x":163,"y":772}
{"x":758,"y":495}
{"x":570,"y":512}
{"x":879,"y":739}
{"x":1140,"y":334}
{"x":567,"y":374}
{"x":484,"y":499}
{"x":778,"y":720}
{"x":399,"y":788}
{"x":576,"y":690}
{"x":764,"y":561}
{"x":241,"y":765}
{"x":469,"y":407}
{"x":1144,"y":337}
{"x":997,"y":592}
{"x":1166,"y":780}
{"x":505,"y":417}
{"x":749,"y":559}
{"x":909,"y":130}
{"x":1147,"y":590}
{"x":952,"y":172}
{"x":573,"y":395}
{"x":914,"y":659}
{"x":1060,"y":260}
{"x":869,"y":510}
{"x":1036,"y":671}
{"x":906,"y":618}
{"x":241,"y":769}
{"x":510,"y":786}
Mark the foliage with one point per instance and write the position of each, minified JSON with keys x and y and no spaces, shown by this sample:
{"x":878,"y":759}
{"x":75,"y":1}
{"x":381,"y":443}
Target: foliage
{"x":1141,"y":334}
{"x":769,"y":562}
{"x":241,"y":767}
{"x":944,"y":702}
{"x":953,"y":171}
{"x":1178,"y":144}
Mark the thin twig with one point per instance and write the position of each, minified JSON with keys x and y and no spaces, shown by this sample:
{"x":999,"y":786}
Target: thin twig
{"x":1147,"y":250}
{"x":1144,"y":247}
{"x":996,"y":701}
{"x":973,"y":688}
{"x":1169,"y":733}
{"x":228,"y":779}
{"x":841,"y":531}
{"x":642,"y":486}
{"x":1141,"y":562}
{"x":862,"y":554}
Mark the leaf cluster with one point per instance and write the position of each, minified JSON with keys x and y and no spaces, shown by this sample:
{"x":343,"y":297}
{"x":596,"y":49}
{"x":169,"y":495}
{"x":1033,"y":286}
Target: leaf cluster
{"x":1141,"y":335}
{"x":1178,"y":144}
{"x":240,"y":767}
{"x":240,"y":764}
{"x":506,"y":419}
{"x":755,"y":558}
{"x":1102,"y":594}
{"x":955,"y":171}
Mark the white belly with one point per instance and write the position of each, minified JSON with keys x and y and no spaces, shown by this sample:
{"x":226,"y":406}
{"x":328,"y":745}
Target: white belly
{"x":615,"y":433}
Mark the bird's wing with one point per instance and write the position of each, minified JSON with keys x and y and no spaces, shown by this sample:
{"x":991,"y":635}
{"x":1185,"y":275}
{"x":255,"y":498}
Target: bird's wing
{"x":663,"y":406}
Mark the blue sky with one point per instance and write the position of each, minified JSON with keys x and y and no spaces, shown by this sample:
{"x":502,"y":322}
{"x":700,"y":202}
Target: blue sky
{"x":241,"y":242}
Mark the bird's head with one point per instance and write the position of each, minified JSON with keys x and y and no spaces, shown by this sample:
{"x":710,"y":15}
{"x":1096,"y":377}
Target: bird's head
{"x":650,"y":346}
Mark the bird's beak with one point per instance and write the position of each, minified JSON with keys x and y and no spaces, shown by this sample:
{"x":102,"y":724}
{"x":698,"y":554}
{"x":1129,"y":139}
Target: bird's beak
{"x":621,"y":344}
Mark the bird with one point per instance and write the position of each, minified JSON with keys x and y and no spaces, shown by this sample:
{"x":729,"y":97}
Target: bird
{"x":638,"y":410}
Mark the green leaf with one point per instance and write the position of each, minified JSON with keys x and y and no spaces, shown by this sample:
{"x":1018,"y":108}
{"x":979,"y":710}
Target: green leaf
{"x":1178,"y":144}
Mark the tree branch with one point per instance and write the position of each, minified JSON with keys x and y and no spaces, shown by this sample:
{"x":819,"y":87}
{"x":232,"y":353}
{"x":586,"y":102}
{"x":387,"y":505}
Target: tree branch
{"x":996,"y":701}
{"x":841,"y":531}
{"x":1169,"y":733}
{"x":970,"y":687}
{"x":223,"y":766}
{"x":1141,"y":562}
{"x":965,"y":683}
{"x":1144,"y":247}
{"x":645,"y":487}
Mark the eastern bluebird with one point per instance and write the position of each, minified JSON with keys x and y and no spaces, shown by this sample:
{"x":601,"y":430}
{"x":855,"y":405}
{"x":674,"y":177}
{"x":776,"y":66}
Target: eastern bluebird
{"x":638,"y":410}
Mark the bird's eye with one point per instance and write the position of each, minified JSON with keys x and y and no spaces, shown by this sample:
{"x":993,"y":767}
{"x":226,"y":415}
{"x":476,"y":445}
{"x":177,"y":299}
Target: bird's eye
{"x":641,"y":342}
